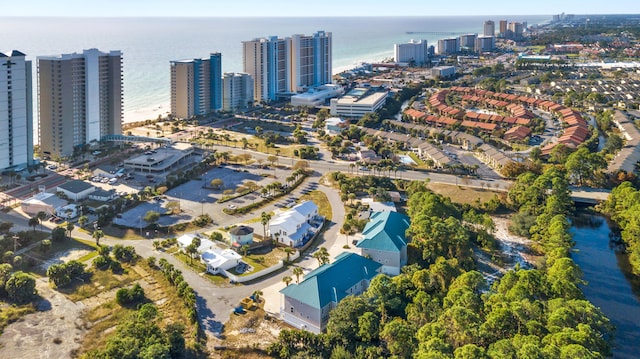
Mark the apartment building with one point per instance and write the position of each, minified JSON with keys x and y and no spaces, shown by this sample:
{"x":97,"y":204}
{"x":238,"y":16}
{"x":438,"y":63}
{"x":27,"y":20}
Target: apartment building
{"x":281,"y":67}
{"x":237,"y":91}
{"x":80,"y":98}
{"x":16,"y":112}
{"x":489,"y":28}
{"x":413,"y":51}
{"x":196,"y":86}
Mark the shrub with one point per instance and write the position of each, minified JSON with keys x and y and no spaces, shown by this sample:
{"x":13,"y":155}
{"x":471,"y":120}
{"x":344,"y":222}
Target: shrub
{"x":115,"y":266}
{"x":102,"y":262}
{"x":124,"y":254}
{"x":129,"y":296}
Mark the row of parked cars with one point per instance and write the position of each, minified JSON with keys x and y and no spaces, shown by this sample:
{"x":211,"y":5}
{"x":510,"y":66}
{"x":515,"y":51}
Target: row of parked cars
{"x":101,"y":179}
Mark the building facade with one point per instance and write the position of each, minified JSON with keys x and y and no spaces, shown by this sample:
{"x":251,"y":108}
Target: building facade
{"x":489,"y":28}
{"x":80,"y":97}
{"x":503,"y":28}
{"x":196,"y":86}
{"x":448,"y":46}
{"x":16,"y":112}
{"x":414,"y":51}
{"x":237,"y":91}
{"x":357,"y":102}
{"x":468,"y":41}
{"x":283,"y":66}
{"x":485,"y":43}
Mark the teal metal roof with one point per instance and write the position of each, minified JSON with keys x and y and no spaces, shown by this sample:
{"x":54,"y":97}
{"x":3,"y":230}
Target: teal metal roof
{"x":330,"y":282}
{"x":385,"y":232}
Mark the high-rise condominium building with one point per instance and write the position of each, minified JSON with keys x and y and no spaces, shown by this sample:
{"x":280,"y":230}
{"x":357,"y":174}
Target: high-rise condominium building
{"x":285,"y":66}
{"x":485,"y":43}
{"x":16,"y":112}
{"x":414,"y":51}
{"x":237,"y":91}
{"x":468,"y":41}
{"x":489,"y":28}
{"x":80,"y":99}
{"x":503,"y":28}
{"x":448,"y":46}
{"x":196,"y":86}
{"x":515,"y":30}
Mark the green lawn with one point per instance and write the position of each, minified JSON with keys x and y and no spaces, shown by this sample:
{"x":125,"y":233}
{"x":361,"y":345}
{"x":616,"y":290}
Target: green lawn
{"x":99,"y":281}
{"x":321,"y":200}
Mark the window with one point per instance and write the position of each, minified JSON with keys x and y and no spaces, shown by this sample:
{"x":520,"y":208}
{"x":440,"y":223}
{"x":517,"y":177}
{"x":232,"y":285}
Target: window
{"x":291,"y":309}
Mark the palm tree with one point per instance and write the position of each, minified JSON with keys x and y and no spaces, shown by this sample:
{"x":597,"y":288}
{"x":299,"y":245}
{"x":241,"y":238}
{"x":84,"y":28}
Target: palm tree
{"x":97,"y":234}
{"x":289,"y":251}
{"x":33,"y":222}
{"x":70,"y":227}
{"x":264,"y":219}
{"x":287,"y":280}
{"x":244,"y":249}
{"x":41,"y":217}
{"x":297,"y":271}
{"x":191,"y":250}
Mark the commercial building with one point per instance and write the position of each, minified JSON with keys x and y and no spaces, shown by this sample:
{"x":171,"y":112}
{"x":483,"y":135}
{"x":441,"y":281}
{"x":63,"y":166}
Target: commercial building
{"x":414,"y":51}
{"x":76,"y":190}
{"x":164,"y":160}
{"x":443,"y":71}
{"x":42,"y":202}
{"x":489,"y":28}
{"x":196,"y":86}
{"x":317,"y":96}
{"x":468,"y":42}
{"x":80,"y":99}
{"x":357,"y":102}
{"x":237,"y":91}
{"x":16,"y":112}
{"x":448,"y":46}
{"x":307,"y":305}
{"x":283,"y":66}
{"x":485,"y":43}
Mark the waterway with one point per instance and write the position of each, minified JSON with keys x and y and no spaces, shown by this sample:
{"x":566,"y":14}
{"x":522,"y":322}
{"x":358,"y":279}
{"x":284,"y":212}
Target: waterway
{"x":611,"y":286}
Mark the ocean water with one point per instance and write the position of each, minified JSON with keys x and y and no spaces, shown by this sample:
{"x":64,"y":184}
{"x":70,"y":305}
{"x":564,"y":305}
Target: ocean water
{"x":148,"y":44}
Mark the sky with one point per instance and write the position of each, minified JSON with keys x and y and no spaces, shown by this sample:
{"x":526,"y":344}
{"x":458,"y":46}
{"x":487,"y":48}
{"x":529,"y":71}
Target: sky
{"x":269,"y":8}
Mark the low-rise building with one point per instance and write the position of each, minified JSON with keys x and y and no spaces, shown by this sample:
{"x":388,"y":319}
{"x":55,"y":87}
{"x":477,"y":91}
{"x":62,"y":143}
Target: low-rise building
{"x":317,"y":96}
{"x":518,"y":133}
{"x":42,"y":202}
{"x":385,"y":241}
{"x":294,"y":227}
{"x":102,"y":195}
{"x":307,"y":305}
{"x":108,"y":171}
{"x":220,"y":260}
{"x":186,"y":239}
{"x":76,"y":190}
{"x":443,"y":71}
{"x":357,"y":102}
{"x":240,"y":236}
{"x":335,"y":125}
{"x":165,"y":159}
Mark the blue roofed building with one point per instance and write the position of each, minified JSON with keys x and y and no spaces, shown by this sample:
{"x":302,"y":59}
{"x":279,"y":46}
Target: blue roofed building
{"x":385,"y":242}
{"x":307,"y":305}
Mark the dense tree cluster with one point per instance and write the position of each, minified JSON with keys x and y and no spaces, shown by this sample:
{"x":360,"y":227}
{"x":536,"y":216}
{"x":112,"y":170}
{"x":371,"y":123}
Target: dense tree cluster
{"x":440,"y":307}
{"x":62,"y":274}
{"x":623,"y":206}
{"x":141,"y":336}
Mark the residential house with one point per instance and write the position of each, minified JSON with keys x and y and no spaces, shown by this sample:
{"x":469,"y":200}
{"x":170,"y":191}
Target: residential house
{"x":186,"y":239}
{"x":220,"y":260}
{"x":307,"y":305}
{"x":241,"y":235}
{"x":385,"y":242}
{"x":294,"y":227}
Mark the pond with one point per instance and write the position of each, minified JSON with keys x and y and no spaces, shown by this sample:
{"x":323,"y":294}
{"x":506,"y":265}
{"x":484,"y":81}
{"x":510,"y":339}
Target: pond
{"x":611,"y":286}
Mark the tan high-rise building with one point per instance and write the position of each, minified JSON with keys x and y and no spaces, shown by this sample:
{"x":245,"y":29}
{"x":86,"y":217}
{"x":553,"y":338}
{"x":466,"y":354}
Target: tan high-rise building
{"x":196,"y":86}
{"x":80,"y":97}
{"x":503,"y":28}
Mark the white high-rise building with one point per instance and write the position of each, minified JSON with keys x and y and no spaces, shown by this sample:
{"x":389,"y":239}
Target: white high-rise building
{"x":80,"y":97}
{"x":286,"y":66}
{"x":237,"y":91}
{"x":485,"y":43}
{"x":468,"y":41}
{"x":414,"y":51}
{"x":16,"y":112}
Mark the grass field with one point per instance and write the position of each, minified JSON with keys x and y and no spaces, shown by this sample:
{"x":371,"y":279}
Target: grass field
{"x":321,"y":200}
{"x":462,"y":194}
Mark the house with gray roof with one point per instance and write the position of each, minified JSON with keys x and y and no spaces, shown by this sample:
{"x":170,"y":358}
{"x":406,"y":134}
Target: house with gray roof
{"x":385,"y":242}
{"x":76,"y":190}
{"x":307,"y":305}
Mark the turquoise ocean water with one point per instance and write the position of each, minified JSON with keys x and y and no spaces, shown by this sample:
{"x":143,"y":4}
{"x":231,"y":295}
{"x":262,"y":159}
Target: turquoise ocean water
{"x":148,"y":44}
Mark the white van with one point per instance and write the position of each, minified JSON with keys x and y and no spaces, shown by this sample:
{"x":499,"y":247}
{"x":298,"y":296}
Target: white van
{"x":113,"y":181}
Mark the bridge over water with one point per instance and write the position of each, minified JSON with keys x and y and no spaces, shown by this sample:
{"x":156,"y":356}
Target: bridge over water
{"x":590,"y":196}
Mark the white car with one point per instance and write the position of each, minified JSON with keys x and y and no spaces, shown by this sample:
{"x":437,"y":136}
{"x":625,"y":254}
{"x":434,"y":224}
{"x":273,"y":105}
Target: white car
{"x":113,"y":181}
{"x":232,"y":206}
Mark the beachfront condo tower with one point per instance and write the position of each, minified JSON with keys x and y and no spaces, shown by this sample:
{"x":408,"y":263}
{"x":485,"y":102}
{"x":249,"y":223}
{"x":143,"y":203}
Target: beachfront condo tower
{"x":413,"y":51}
{"x":489,"y":28}
{"x":16,"y":112}
{"x":237,"y":91}
{"x":196,"y":86}
{"x":80,"y":100}
{"x":281,"y":67}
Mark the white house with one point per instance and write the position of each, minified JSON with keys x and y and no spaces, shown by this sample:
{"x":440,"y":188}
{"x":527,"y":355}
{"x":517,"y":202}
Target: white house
{"x":294,"y":226}
{"x":218,"y":261}
{"x":76,"y":190}
{"x":42,"y":202}
{"x":103,"y":195}
{"x":186,"y":239}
